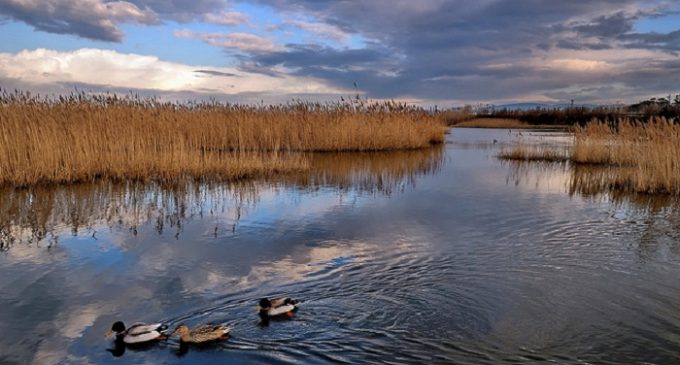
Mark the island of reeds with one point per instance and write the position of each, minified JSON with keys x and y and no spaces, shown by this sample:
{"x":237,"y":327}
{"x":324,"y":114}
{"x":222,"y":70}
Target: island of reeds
{"x":88,"y":137}
{"x":628,"y":155}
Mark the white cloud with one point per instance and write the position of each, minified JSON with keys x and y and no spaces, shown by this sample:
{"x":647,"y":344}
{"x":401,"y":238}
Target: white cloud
{"x":575,"y":64}
{"x":322,"y":30}
{"x":245,"y":42}
{"x":228,"y":18}
{"x":108,"y":68}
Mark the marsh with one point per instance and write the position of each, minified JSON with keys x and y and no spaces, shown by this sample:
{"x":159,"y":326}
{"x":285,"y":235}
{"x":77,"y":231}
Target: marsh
{"x":446,"y":254}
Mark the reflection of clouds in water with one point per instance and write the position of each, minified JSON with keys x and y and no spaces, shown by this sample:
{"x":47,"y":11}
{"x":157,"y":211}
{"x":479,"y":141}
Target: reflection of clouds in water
{"x":298,"y":265}
{"x":68,"y":326}
{"x":537,"y":177}
{"x":292,"y":235}
{"x":36,"y":253}
{"x":73,"y":324}
{"x":304,"y":261}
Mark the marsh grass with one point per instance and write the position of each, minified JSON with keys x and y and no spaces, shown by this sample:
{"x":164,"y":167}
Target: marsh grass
{"x":84,"y":138}
{"x":635,"y":157}
{"x":647,"y":154}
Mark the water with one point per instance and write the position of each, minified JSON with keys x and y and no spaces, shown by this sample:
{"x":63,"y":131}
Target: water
{"x":440,"y":256}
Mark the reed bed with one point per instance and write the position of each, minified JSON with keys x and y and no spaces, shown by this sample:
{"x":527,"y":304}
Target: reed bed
{"x":89,"y":137}
{"x":646,"y":154}
{"x":636,"y":157}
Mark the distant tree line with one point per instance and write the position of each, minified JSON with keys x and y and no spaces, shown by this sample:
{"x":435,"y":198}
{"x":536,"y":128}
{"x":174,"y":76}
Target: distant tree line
{"x":570,"y":115}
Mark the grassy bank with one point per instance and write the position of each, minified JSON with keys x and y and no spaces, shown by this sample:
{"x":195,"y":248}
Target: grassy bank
{"x":84,"y":138}
{"x":640,"y":157}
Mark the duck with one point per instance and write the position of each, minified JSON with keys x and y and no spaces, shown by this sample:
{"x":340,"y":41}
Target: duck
{"x":202,"y":334}
{"x":276,"y":307}
{"x":138,"y":333}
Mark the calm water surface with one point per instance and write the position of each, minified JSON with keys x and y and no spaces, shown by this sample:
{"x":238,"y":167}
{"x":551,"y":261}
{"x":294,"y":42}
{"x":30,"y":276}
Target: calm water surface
{"x":440,"y":256}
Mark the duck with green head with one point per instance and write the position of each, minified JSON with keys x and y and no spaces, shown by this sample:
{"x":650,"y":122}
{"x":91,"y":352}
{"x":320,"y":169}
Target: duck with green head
{"x":138,"y":333}
{"x":275,"y":308}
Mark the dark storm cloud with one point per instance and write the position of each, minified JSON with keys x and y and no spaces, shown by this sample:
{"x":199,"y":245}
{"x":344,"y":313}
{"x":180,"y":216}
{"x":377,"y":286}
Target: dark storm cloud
{"x":182,"y":10}
{"x":85,"y":18}
{"x":100,"y":19}
{"x":436,"y":50}
{"x":666,"y":41}
{"x":607,"y":26}
{"x":472,"y":51}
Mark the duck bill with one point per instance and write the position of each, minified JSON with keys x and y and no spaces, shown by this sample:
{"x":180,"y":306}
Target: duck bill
{"x":109,"y":333}
{"x":258,"y":308}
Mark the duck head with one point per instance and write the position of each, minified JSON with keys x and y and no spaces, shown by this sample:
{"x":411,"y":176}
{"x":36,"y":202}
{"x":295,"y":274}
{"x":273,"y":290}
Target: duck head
{"x":118,"y":328}
{"x":181,"y":329}
{"x":184,"y":333}
{"x":264,"y":306}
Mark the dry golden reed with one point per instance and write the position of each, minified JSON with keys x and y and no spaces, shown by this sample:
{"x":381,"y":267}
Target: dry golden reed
{"x":638,"y":157}
{"x":84,"y":138}
{"x":647,"y":154}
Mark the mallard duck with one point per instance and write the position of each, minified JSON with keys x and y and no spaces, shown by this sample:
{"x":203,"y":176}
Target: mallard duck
{"x":138,"y":333}
{"x":276,"y":307}
{"x":202,"y":334}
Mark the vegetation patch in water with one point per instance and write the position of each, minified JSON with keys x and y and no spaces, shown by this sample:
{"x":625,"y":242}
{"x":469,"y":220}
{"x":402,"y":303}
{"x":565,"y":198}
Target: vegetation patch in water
{"x":90,"y":137}
{"x":638,"y":157}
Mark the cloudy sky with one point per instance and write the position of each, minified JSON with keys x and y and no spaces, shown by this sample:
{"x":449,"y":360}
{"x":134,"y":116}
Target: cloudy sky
{"x":429,"y":52}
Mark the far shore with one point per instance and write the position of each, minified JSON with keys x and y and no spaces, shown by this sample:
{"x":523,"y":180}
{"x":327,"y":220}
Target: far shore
{"x":506,"y":124}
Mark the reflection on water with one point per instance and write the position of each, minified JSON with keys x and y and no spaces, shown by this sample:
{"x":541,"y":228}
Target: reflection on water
{"x":587,"y":181}
{"x":397,"y":258}
{"x":42,"y":213}
{"x":656,"y":216}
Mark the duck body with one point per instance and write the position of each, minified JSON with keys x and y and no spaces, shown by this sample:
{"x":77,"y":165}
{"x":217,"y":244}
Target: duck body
{"x":138,"y":333}
{"x":277,"y":307}
{"x":203,"y":334}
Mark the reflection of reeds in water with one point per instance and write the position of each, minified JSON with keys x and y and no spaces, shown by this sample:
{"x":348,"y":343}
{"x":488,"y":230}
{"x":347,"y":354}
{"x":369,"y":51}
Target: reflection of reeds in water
{"x":534,"y":152}
{"x":589,"y":181}
{"x":44,"y":212}
{"x":375,"y":171}
{"x":85,"y":138}
{"x":656,"y":215}
{"x":39,"y":213}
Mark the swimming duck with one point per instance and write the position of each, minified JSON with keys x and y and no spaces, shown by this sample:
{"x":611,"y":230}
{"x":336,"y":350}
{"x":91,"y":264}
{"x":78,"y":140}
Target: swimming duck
{"x":138,"y":333}
{"x":276,"y":307}
{"x":202,"y":334}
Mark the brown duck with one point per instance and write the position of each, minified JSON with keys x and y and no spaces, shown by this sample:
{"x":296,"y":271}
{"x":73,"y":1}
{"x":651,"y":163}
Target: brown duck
{"x":203,"y":334}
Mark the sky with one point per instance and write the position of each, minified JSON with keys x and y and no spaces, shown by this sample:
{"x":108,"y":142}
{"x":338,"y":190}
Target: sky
{"x":432,"y":52}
